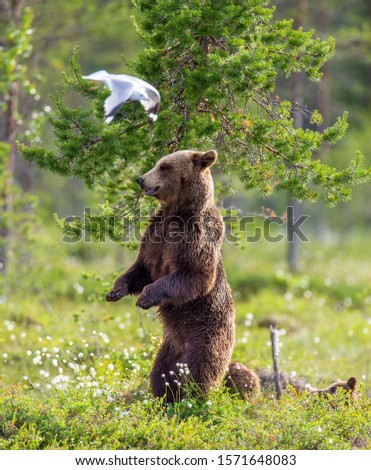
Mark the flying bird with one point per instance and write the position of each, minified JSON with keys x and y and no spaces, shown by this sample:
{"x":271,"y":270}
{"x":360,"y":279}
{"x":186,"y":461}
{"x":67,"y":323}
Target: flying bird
{"x":126,"y":88}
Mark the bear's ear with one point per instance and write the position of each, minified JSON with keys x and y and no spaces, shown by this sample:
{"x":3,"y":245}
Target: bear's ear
{"x":352,"y":382}
{"x":205,"y":159}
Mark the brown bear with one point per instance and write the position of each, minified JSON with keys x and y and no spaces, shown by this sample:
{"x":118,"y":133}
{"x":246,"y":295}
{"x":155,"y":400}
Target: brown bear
{"x":350,"y":386}
{"x":241,"y":381}
{"x":179,"y":269}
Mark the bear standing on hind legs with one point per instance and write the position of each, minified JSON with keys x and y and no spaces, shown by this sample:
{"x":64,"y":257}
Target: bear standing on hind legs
{"x":179,"y":268}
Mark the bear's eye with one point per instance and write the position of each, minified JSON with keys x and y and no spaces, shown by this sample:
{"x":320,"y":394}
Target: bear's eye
{"x":164,"y":167}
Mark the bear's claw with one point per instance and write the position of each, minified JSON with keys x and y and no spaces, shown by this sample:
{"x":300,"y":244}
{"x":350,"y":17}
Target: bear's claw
{"x":146,"y":299}
{"x":143,"y":303}
{"x":114,"y":295}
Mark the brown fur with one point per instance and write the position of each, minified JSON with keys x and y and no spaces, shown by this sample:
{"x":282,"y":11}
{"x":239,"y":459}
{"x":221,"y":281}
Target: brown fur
{"x":241,"y":380}
{"x":349,"y":385}
{"x":246,"y":383}
{"x":179,"y":268}
{"x":241,"y":377}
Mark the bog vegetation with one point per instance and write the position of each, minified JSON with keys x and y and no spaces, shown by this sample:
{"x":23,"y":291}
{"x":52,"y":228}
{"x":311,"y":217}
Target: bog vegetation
{"x":75,"y":369}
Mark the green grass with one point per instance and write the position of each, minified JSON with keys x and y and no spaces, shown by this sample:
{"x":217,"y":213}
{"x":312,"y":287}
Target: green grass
{"x":75,"y":369}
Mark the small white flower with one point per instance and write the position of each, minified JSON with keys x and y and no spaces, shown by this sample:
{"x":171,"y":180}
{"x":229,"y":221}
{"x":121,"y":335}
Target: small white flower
{"x":78,"y":288}
{"x":9,"y":325}
{"x":37,"y":360}
{"x":307,"y":294}
{"x":288,"y":296}
{"x":189,"y":405}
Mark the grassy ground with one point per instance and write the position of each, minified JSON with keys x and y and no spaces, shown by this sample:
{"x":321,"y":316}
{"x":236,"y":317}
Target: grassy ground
{"x":75,"y":369}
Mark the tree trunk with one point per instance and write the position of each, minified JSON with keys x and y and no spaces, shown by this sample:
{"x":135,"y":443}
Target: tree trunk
{"x":323,"y":104}
{"x":297,"y":99}
{"x":10,"y":137}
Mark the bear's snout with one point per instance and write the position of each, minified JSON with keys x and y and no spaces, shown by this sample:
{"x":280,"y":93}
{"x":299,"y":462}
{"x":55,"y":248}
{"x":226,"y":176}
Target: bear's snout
{"x":148,"y":190}
{"x":140,"y":181}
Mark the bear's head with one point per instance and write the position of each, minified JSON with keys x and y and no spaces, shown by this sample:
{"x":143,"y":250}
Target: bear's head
{"x":180,"y":179}
{"x":349,"y":385}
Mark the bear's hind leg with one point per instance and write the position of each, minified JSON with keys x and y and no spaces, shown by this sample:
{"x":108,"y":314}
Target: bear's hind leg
{"x":163,"y":376}
{"x":206,"y":370}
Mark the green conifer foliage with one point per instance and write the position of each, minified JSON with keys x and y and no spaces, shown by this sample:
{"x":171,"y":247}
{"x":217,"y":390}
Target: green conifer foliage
{"x":215,"y":64}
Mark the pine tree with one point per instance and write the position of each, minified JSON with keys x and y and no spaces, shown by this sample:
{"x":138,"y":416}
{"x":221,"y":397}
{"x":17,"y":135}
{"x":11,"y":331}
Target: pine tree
{"x":215,"y":64}
{"x":15,"y":49}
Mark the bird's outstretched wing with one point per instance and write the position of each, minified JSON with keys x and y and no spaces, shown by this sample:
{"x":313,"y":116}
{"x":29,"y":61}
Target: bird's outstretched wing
{"x":116,"y":99}
{"x":124,"y":88}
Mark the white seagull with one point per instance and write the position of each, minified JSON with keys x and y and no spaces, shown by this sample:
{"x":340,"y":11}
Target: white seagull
{"x":124,"y":88}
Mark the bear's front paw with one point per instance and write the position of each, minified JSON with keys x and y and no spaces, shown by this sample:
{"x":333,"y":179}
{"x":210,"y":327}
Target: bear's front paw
{"x":147,"y":299}
{"x":117,"y":293}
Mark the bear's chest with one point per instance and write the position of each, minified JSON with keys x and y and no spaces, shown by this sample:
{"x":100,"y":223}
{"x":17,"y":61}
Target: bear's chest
{"x":161,"y":245}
